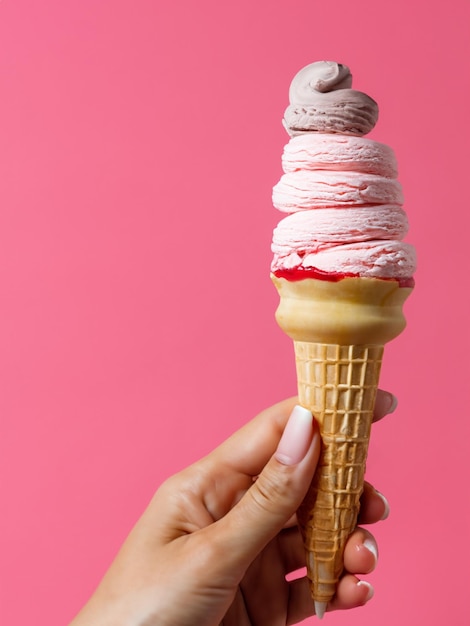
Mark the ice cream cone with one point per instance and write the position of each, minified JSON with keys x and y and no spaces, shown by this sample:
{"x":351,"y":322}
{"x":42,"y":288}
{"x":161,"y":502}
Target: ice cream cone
{"x":339,"y":330}
{"x":343,"y":273}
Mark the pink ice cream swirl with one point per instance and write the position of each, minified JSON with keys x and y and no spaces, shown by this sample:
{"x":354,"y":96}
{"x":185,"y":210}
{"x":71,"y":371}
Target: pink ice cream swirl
{"x":339,"y":188}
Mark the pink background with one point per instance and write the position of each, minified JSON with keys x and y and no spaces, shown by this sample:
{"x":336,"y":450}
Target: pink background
{"x":139,"y":142}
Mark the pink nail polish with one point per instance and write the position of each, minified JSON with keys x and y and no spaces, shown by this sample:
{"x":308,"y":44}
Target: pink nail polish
{"x":370,"y":589}
{"x":296,"y":438}
{"x":372,"y":547}
{"x":386,"y":512}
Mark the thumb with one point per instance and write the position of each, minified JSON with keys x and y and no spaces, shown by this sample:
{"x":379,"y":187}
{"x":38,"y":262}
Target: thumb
{"x":277,"y":493}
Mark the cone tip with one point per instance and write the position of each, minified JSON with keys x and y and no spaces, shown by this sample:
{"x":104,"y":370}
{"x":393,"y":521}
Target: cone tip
{"x":320,"y":608}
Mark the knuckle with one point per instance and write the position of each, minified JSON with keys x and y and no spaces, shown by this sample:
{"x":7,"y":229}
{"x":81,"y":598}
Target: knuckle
{"x":272,"y":490}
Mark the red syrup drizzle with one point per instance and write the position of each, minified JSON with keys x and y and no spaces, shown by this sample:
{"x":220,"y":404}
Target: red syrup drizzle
{"x":299,"y":273}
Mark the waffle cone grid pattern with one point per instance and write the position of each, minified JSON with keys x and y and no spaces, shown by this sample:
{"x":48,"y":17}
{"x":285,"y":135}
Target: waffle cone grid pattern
{"x":338,"y":384}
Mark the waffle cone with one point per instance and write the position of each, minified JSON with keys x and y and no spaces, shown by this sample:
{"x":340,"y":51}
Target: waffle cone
{"x":339,"y":330}
{"x":338,"y":384}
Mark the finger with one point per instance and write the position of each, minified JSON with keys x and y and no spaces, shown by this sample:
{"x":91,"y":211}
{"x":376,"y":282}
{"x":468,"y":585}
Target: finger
{"x":385,"y":403}
{"x":265,"y":588}
{"x":351,"y":593}
{"x":360,"y":553}
{"x":237,"y":614}
{"x":272,"y":499}
{"x":300,"y":601}
{"x":291,"y":549}
{"x":374,"y":506}
{"x":292,"y":521}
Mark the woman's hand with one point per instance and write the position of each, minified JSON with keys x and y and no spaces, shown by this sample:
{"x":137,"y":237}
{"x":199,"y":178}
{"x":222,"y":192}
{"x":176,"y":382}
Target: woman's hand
{"x":218,"y":539}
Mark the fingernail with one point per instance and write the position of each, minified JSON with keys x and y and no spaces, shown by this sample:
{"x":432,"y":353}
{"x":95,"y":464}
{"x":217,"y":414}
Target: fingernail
{"x":370,"y":545}
{"x":370,"y":589}
{"x":393,"y":403}
{"x":296,"y":438}
{"x":386,"y":512}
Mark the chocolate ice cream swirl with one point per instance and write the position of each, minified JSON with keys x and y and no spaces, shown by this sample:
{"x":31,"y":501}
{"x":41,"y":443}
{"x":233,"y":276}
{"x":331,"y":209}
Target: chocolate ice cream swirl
{"x":321,"y":100}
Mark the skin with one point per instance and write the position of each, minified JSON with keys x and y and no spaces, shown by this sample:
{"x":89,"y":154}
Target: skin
{"x":218,"y":539}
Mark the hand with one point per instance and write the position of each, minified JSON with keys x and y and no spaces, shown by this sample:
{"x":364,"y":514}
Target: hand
{"x":218,"y":539}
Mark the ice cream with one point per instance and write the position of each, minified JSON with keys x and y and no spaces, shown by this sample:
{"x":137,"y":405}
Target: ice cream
{"x":315,"y":105}
{"x":343,"y":273}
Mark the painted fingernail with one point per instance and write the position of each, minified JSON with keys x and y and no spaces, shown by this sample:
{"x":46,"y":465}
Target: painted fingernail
{"x":296,"y":438}
{"x":370,"y":545}
{"x":393,"y":403}
{"x":370,"y":589}
{"x":386,"y":512}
